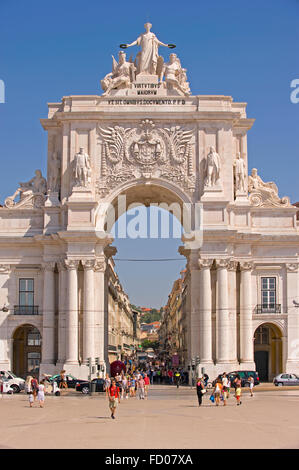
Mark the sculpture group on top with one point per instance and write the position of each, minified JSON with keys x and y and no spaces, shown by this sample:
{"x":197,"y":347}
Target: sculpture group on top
{"x":147,"y":63}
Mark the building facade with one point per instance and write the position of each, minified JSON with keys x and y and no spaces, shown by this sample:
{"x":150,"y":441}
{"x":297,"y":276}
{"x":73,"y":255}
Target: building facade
{"x":147,"y":139}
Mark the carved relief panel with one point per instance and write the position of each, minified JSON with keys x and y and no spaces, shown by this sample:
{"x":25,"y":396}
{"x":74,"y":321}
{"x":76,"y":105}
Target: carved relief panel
{"x":146,"y":151}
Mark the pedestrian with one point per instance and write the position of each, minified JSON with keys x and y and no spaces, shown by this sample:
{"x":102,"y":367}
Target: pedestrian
{"x":205,"y":378}
{"x":200,"y":390}
{"x":224,"y":388}
{"x":124,"y":387}
{"x":251,"y":384}
{"x":217,"y":391}
{"x":34,"y":386}
{"x":132,"y":386}
{"x":114,"y":397}
{"x":238,"y":384}
{"x":177,"y":377}
{"x":146,"y":385}
{"x":141,"y":386}
{"x":41,"y":393}
{"x":28,"y":387}
{"x":63,"y":381}
{"x":107,"y":383}
{"x":31,"y":399}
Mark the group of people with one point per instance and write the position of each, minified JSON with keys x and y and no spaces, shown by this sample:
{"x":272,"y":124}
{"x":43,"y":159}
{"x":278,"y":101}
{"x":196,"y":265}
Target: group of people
{"x":125,"y":385}
{"x":221,"y":389}
{"x":35,"y":390}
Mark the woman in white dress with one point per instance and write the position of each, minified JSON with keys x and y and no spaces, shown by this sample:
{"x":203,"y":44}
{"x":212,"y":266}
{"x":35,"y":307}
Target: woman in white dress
{"x":41,"y":393}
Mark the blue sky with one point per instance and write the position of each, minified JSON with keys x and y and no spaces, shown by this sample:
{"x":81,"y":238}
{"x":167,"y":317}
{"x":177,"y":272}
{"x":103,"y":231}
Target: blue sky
{"x":248,"y":50}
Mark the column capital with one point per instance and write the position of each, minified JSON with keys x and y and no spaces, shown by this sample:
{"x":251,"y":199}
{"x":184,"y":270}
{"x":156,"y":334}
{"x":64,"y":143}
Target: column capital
{"x":100,"y":265}
{"x":71,"y":264}
{"x":222,"y":263}
{"x":246,"y":265}
{"x":61,"y":265}
{"x":292,"y":267}
{"x":205,"y":263}
{"x":48,"y":265}
{"x":88,"y":264}
{"x":232,"y":265}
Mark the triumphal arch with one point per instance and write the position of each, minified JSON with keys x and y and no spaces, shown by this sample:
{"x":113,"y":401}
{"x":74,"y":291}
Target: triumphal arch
{"x":147,"y":138}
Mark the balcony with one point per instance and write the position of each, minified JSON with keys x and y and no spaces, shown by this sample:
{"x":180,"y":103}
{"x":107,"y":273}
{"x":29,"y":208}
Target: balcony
{"x":268,"y":308}
{"x":26,"y":310}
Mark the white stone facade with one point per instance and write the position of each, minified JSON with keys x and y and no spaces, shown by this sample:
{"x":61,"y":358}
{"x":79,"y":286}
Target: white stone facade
{"x":147,"y":139}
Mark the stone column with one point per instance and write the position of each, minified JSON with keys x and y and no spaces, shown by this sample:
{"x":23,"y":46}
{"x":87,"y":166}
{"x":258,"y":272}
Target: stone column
{"x":88,"y":310}
{"x":205,"y":310}
{"x":72,"y":339}
{"x":222,"y":315}
{"x":101,"y":312}
{"x":48,"y":334}
{"x":232,"y":302}
{"x":194,"y":324}
{"x":246,"y":333}
{"x":62,"y":311}
{"x":292,"y":365}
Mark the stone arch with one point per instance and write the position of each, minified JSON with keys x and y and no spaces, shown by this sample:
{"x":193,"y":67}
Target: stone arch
{"x":143,"y":192}
{"x":268,"y":348}
{"x":27,"y":349}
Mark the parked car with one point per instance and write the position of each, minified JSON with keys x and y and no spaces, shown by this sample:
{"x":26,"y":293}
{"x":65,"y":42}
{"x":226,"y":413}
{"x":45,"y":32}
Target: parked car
{"x":244,"y":376}
{"x":16,"y":383}
{"x":5,"y":387}
{"x":70,"y":380}
{"x":84,"y":387}
{"x":286,"y":379}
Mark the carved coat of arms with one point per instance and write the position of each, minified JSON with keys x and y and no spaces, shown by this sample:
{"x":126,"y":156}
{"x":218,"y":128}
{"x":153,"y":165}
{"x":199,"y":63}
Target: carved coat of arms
{"x":147,"y":151}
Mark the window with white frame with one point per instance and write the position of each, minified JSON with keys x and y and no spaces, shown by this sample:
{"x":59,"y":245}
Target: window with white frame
{"x":268,"y":293}
{"x":26,"y":292}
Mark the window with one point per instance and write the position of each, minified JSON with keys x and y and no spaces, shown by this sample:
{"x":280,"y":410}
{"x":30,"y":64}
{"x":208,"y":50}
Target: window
{"x":268,"y":293}
{"x":33,"y":337}
{"x":33,"y":361}
{"x":262,"y":335}
{"x":26,"y":292}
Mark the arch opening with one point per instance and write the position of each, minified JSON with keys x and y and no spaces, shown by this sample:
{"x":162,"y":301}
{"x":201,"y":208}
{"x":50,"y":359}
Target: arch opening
{"x":268,"y":349}
{"x":27,"y":350}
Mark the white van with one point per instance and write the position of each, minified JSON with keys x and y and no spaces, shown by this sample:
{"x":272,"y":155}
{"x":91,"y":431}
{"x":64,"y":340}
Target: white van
{"x":16,"y":383}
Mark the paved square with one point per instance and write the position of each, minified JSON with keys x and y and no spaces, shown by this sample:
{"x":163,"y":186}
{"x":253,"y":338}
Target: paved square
{"x":170,"y":418}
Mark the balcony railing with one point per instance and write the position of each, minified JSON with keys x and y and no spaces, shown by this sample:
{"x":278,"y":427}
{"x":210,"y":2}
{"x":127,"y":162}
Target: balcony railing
{"x":26,"y":310}
{"x":268,"y":308}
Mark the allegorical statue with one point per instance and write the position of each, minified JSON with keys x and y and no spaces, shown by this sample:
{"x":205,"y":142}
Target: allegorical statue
{"x":264,"y":194}
{"x":239,"y":173}
{"x":147,"y":58}
{"x":82,"y":170}
{"x":123,"y":74}
{"x":36,"y":186}
{"x":212,"y":168}
{"x":54,"y":172}
{"x":175,"y":75}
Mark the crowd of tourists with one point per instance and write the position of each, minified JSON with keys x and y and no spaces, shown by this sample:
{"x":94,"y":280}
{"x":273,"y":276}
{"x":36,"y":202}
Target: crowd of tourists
{"x":222,"y":389}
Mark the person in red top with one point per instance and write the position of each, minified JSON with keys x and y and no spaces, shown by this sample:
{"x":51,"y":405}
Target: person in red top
{"x":146,"y":385}
{"x":114,"y":397}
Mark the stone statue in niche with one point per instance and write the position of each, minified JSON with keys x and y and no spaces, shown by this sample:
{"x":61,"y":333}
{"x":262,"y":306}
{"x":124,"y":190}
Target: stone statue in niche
{"x":147,"y":58}
{"x":264,"y":194}
{"x":54,"y":173}
{"x":31,"y":193}
{"x":175,"y":75}
{"x":212,"y":168}
{"x":239,"y":173}
{"x":123,"y":74}
{"x":82,"y":169}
